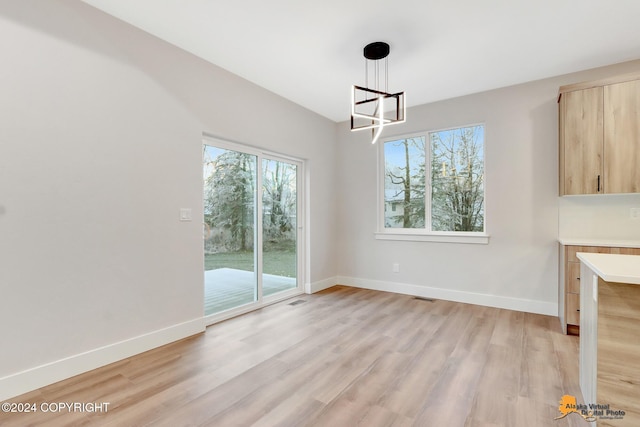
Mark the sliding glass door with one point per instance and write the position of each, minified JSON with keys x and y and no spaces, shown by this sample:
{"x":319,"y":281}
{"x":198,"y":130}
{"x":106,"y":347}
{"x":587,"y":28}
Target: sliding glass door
{"x":279,"y":226}
{"x":252,"y":228}
{"x":229,"y":217}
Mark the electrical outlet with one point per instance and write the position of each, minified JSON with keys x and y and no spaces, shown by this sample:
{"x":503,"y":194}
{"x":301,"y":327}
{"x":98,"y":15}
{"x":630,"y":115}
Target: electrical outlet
{"x":396,"y":267}
{"x":634,"y":213}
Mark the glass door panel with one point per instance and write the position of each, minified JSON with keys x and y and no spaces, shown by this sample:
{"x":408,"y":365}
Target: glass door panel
{"x":279,"y":226}
{"x":230,"y":207}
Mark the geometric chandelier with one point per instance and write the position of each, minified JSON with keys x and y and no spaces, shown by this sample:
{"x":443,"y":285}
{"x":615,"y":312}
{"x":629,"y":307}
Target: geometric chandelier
{"x":374,"y":108}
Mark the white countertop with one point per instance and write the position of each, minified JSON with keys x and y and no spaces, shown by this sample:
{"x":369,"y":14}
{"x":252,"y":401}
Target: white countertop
{"x":613,"y":267}
{"x":611,"y":243}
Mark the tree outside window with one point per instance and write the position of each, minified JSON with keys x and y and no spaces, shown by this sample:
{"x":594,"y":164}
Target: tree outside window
{"x":450,"y":197}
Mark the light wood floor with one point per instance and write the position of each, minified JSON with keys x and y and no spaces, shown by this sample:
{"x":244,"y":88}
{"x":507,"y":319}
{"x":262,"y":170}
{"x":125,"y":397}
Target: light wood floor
{"x":344,"y":357}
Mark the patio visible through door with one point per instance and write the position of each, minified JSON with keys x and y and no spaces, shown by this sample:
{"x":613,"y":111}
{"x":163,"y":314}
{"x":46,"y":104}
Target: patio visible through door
{"x":252,"y":228}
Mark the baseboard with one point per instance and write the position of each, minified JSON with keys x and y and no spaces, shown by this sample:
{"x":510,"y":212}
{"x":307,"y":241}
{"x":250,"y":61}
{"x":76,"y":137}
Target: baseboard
{"x":509,"y":303}
{"x":40,"y":376}
{"x":320,"y":285}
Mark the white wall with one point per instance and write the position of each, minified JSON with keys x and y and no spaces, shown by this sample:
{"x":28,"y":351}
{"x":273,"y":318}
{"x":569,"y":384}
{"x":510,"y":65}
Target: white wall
{"x":518,"y":269}
{"x":100,"y":146}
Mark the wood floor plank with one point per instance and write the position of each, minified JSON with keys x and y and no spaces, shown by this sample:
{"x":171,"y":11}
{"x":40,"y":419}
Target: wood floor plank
{"x":344,"y":357}
{"x":496,"y":395}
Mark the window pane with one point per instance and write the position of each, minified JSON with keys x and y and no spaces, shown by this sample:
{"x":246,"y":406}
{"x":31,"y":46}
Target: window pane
{"x":279,"y":227}
{"x":229,"y":215}
{"x":457,"y":176}
{"x":404,"y":183}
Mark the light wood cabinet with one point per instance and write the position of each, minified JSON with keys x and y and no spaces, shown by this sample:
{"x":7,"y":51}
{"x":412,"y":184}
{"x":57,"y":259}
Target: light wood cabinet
{"x":569,"y":282}
{"x":573,"y":313}
{"x":599,"y":136}
{"x":622,"y":137}
{"x":581,"y":138}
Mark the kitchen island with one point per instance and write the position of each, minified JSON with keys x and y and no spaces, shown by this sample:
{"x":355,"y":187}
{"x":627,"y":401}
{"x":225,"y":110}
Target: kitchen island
{"x":569,"y":274}
{"x":610,"y":336}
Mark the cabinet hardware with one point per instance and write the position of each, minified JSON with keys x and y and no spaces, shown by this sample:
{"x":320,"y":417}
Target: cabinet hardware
{"x":598,"y":183}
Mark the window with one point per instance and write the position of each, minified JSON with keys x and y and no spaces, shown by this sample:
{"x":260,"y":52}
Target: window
{"x":432,"y":184}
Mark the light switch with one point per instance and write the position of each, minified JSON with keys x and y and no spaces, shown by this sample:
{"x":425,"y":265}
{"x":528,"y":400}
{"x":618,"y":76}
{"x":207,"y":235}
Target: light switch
{"x":185,"y":214}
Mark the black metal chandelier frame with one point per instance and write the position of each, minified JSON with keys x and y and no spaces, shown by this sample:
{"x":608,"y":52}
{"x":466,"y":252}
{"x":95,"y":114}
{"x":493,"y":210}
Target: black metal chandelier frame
{"x":374,"y":108}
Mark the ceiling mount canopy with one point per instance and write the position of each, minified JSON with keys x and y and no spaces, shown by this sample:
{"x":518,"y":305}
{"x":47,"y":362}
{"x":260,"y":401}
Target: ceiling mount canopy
{"x":375,"y":108}
{"x":376,"y":51}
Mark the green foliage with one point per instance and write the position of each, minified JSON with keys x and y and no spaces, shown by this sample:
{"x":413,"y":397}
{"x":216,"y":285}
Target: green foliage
{"x":230,"y":200}
{"x":278,"y":200}
{"x":230,"y":197}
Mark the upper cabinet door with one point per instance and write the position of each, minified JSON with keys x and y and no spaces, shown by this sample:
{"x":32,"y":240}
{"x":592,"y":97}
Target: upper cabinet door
{"x":622,"y":137}
{"x":581,"y":141}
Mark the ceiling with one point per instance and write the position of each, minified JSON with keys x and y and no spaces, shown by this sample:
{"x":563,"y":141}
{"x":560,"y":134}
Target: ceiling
{"x":311,"y":52}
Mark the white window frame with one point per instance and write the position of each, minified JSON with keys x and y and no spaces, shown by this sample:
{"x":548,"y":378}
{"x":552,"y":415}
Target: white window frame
{"x":425,"y":234}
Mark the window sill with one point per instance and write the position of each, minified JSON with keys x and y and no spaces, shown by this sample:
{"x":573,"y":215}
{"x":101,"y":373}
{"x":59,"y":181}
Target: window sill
{"x":468,"y":238}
